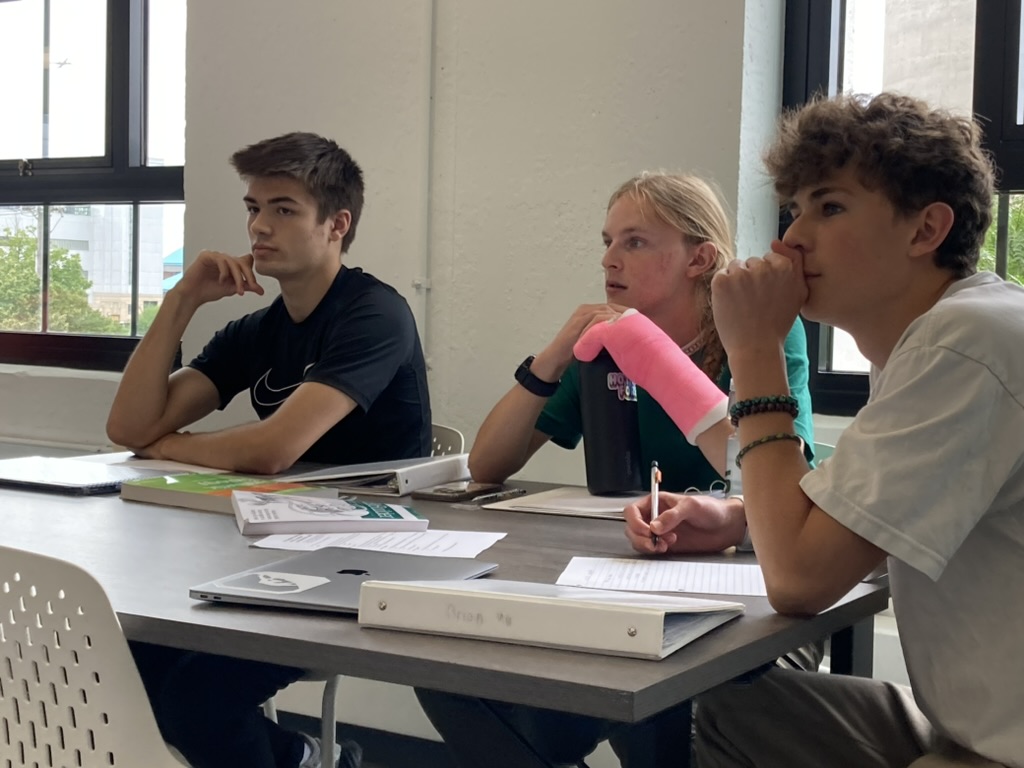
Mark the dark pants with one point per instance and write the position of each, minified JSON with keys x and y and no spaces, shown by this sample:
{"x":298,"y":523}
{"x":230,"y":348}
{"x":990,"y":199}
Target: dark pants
{"x":208,"y":707}
{"x":499,"y":735}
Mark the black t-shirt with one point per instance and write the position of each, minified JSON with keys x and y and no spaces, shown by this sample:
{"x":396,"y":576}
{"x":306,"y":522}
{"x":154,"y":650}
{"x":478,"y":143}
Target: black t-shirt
{"x":361,"y":339}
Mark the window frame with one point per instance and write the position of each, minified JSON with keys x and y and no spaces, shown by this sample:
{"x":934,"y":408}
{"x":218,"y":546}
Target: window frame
{"x":812,"y":64}
{"x":996,"y":65}
{"x":120,"y":176}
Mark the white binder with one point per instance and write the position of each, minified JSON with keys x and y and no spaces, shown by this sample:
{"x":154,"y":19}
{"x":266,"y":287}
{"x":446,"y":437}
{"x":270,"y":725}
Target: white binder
{"x":387,"y":478}
{"x":646,"y":626}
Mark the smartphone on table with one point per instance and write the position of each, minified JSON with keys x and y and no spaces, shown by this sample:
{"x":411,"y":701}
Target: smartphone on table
{"x":461,"y":490}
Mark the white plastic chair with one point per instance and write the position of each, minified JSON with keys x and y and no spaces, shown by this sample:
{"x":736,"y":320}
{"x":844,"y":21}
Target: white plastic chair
{"x":70,"y":693}
{"x":446,"y":440}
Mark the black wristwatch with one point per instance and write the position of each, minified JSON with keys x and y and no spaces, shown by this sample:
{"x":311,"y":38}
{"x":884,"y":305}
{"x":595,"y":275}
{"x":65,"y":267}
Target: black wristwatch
{"x":528,"y":381}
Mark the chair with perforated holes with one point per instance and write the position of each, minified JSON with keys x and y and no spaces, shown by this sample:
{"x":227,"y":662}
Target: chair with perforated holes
{"x":70,"y":693}
{"x":444,"y":441}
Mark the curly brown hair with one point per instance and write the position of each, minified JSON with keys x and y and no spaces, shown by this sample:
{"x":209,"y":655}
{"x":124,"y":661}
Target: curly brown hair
{"x":692,"y":206}
{"x":913,"y":154}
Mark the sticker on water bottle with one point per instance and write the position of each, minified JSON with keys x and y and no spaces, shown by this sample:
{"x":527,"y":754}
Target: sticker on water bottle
{"x":618,"y":383}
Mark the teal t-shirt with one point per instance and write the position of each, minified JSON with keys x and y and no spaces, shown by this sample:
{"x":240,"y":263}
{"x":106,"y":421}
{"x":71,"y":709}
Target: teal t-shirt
{"x":682,"y":465}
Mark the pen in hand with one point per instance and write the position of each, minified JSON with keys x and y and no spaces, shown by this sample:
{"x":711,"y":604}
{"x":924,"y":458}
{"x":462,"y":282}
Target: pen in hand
{"x":655,"y":482}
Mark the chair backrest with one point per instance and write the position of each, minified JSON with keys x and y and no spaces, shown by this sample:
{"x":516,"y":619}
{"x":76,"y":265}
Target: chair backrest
{"x":70,"y":693}
{"x":446,"y":440}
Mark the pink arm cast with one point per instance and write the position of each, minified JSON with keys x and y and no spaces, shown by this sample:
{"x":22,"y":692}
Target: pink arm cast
{"x":652,"y":361}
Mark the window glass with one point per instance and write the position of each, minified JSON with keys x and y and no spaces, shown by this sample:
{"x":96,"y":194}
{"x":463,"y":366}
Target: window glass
{"x":161,"y":256}
{"x":1020,"y":72}
{"x":1014,"y":243}
{"x":21,"y":286}
{"x":165,"y":68}
{"x":59,"y":55}
{"x":90,"y":285}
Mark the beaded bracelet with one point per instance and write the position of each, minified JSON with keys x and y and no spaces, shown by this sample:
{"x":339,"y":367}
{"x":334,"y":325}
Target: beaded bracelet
{"x":764,"y":441}
{"x":777,"y":403}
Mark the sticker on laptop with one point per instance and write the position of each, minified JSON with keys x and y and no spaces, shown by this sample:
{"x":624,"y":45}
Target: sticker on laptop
{"x":274,"y":582}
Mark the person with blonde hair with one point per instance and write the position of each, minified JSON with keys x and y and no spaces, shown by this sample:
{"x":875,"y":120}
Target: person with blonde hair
{"x":665,"y":237}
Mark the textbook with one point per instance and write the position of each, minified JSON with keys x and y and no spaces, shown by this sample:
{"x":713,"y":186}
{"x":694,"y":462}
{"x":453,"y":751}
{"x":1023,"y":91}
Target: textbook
{"x":268,"y":513}
{"x":387,"y":478}
{"x":593,"y":620}
{"x":210,"y":493}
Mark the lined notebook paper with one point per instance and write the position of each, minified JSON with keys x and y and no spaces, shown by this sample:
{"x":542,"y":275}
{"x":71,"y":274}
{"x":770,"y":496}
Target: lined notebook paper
{"x":643,"y":575}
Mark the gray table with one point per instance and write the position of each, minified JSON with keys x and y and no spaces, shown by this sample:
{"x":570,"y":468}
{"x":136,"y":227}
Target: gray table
{"x":148,"y":556}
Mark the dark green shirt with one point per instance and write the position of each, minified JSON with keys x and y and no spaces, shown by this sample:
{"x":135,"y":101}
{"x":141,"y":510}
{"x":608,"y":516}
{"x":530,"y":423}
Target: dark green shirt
{"x":682,"y":465}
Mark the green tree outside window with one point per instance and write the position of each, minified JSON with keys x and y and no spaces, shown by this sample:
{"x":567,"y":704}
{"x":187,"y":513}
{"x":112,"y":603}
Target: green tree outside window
{"x":1014,"y":245}
{"x":21,"y":289}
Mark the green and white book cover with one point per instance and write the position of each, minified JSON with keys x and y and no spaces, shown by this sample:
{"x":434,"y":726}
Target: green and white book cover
{"x":259,"y":513}
{"x":210,"y":492}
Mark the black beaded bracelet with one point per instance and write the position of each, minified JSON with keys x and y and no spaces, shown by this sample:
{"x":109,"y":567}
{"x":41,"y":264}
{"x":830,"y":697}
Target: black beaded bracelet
{"x":771,"y":403}
{"x":764,"y":441}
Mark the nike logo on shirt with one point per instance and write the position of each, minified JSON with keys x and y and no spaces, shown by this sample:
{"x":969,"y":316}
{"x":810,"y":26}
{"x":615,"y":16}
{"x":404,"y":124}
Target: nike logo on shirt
{"x":268,"y":396}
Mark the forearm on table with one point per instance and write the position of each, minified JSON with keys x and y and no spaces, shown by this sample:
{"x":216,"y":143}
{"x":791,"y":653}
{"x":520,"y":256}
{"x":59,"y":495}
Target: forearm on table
{"x":250,"y":448}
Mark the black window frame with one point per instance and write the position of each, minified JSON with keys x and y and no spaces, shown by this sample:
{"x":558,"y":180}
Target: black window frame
{"x":812,"y":64}
{"x":120,"y":176}
{"x":996,"y":66}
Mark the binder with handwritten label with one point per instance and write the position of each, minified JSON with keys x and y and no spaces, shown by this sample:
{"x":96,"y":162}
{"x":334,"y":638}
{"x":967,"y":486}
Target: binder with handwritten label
{"x":645,"y":626}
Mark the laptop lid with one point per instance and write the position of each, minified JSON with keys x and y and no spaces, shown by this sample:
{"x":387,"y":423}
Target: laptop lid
{"x":329,"y":579}
{"x":69,"y":476}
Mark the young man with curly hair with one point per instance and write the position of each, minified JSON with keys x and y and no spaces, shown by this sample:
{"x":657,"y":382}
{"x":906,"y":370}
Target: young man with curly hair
{"x":890,"y":203}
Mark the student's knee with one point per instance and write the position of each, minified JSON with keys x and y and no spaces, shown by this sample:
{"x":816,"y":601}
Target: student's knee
{"x":727,"y":701}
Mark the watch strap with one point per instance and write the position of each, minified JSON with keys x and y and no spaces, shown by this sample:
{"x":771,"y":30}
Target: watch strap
{"x":531,"y":382}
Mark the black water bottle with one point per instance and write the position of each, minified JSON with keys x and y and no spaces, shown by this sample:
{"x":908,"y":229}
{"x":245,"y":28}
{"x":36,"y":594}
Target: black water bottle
{"x":611,"y":429}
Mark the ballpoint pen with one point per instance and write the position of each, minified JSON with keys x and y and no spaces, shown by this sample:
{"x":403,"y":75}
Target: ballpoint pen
{"x":655,"y":482}
{"x":508,"y":493}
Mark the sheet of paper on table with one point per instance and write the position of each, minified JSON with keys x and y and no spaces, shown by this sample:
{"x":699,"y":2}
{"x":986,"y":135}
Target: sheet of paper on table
{"x":645,"y":575}
{"x":430,"y":543}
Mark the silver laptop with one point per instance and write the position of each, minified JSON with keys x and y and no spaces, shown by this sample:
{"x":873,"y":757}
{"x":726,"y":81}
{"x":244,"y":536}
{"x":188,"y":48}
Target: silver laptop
{"x":329,"y":579}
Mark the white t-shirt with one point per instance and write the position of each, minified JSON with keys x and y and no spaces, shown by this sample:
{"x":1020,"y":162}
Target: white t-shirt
{"x":932,"y":471}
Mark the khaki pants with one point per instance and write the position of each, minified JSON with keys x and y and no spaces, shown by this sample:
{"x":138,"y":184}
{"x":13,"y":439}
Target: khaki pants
{"x":789,"y":719}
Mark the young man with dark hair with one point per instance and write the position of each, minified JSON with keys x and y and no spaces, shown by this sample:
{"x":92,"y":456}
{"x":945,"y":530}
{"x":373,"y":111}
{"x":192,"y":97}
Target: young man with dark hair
{"x":890,"y":203}
{"x":335,"y":373}
{"x":333,"y":366}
